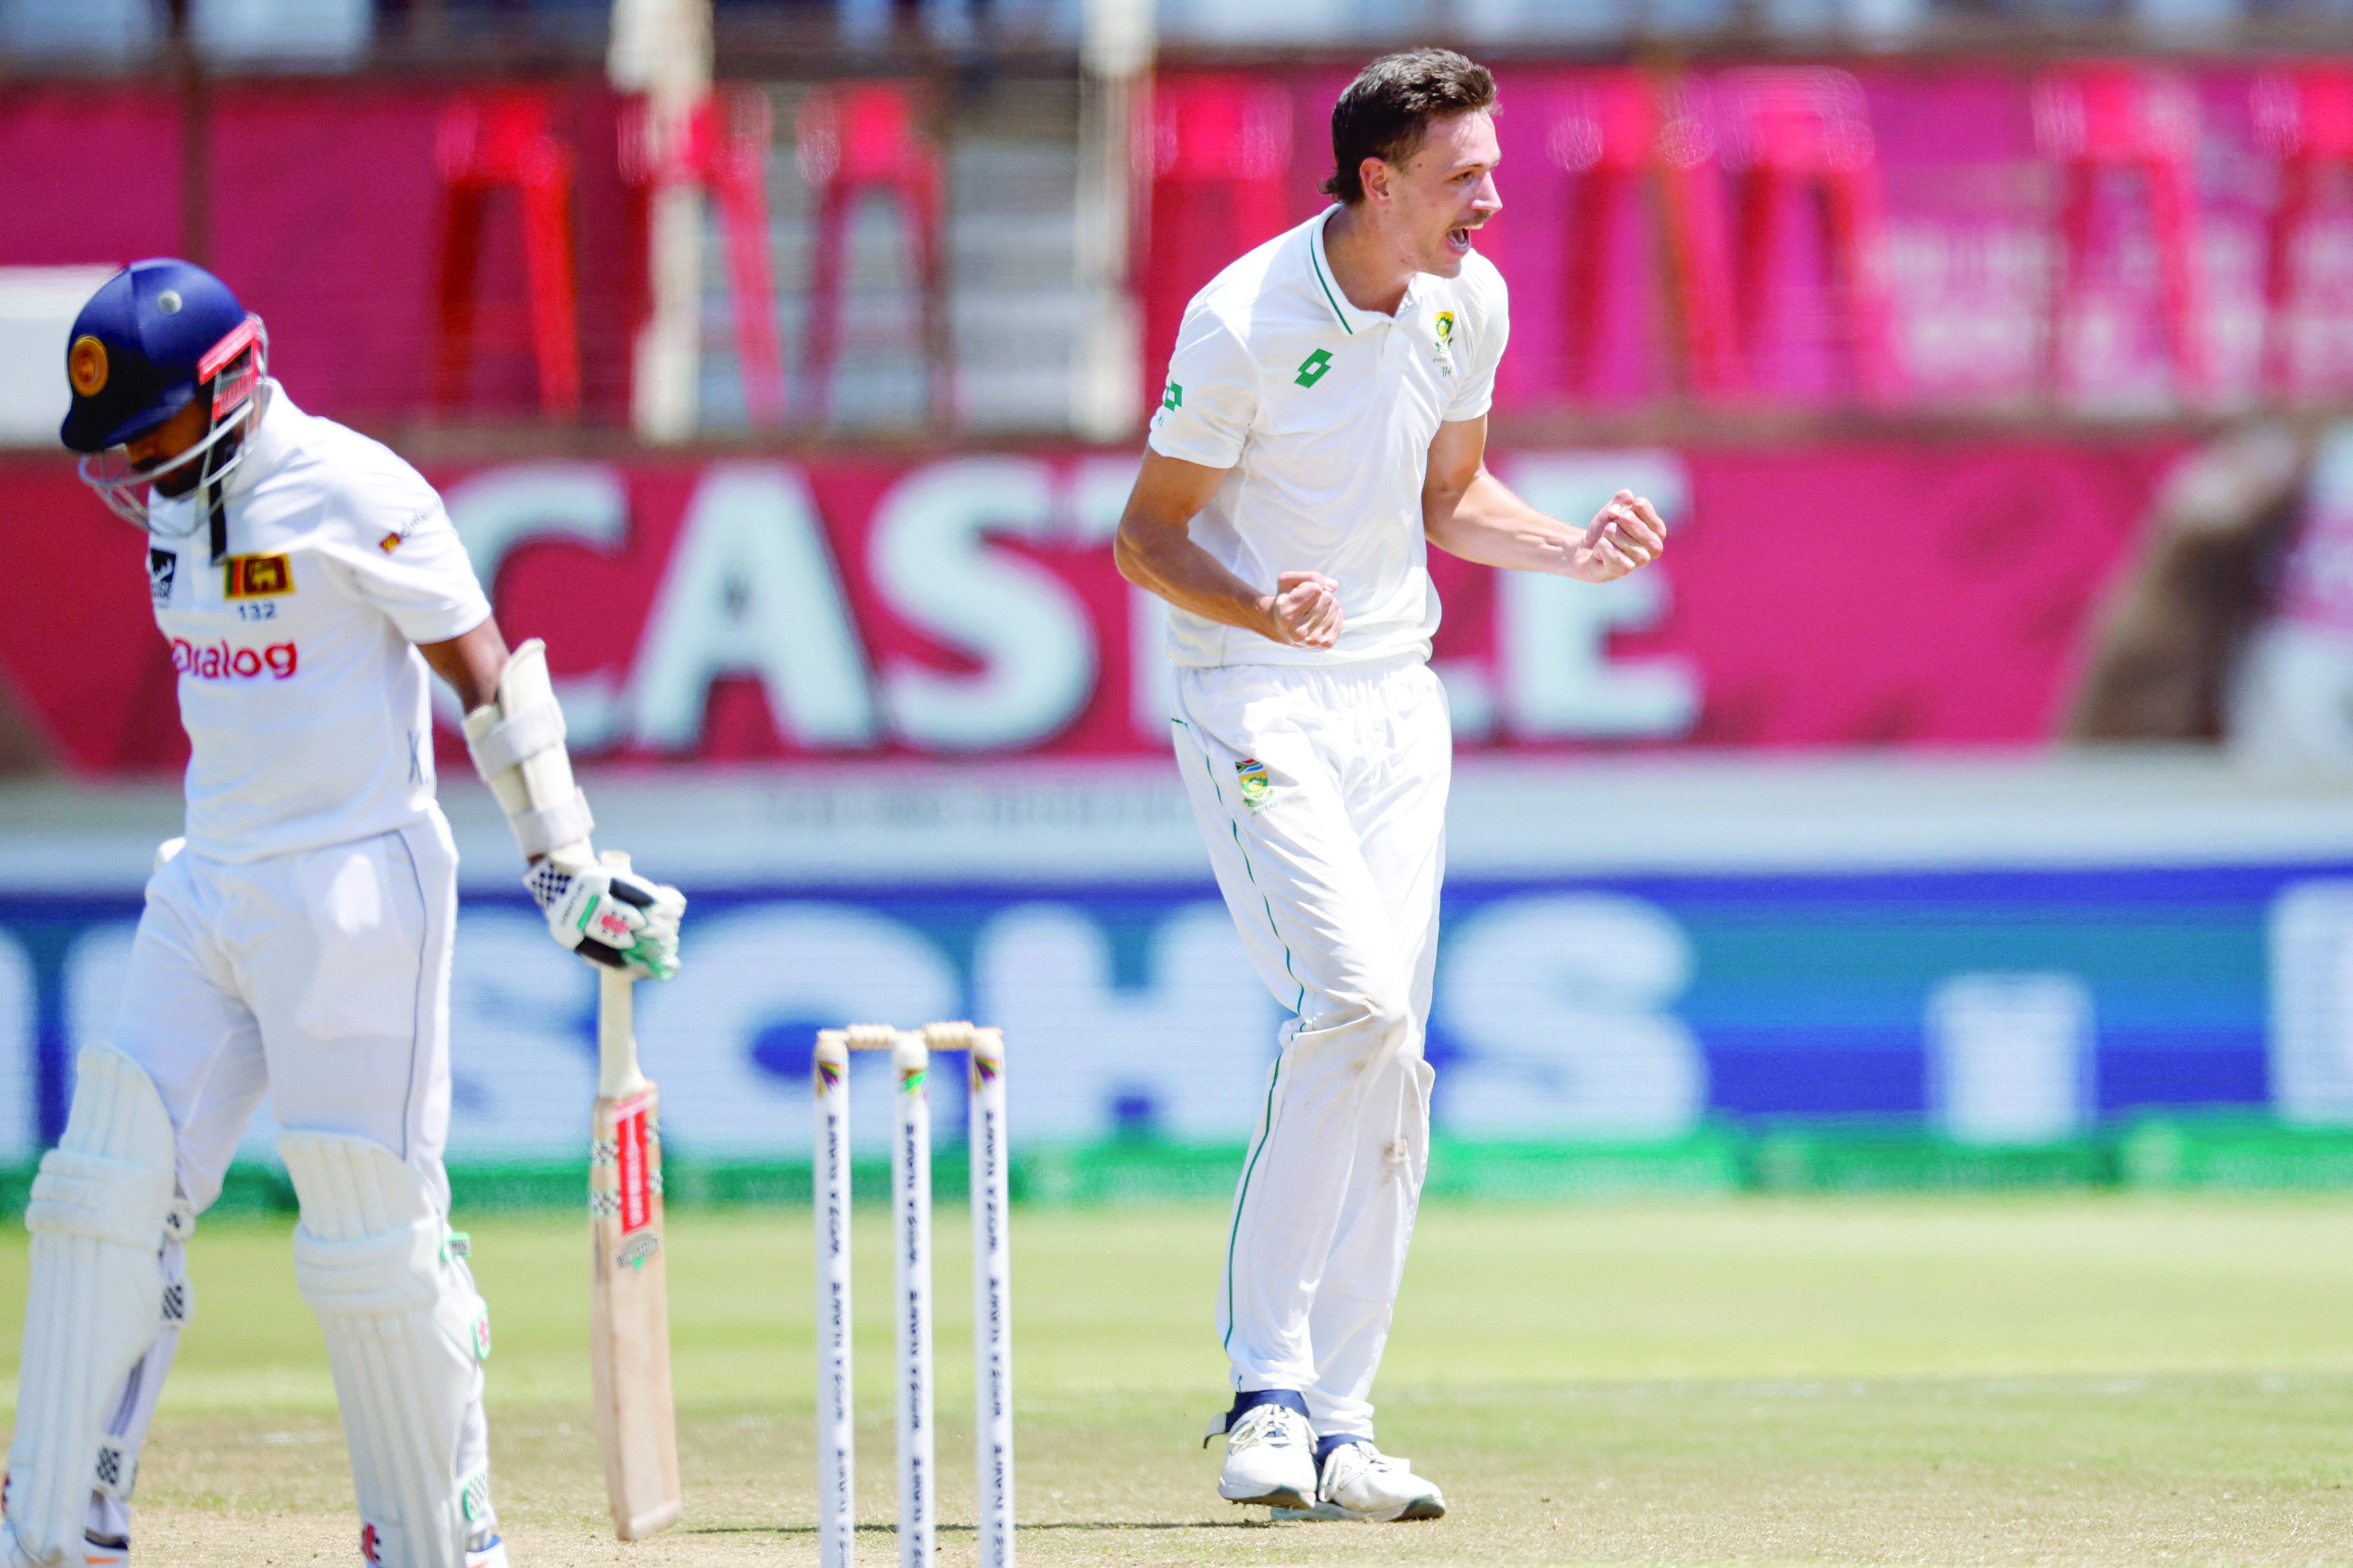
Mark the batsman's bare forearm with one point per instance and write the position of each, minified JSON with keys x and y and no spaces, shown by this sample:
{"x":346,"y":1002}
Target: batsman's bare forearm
{"x":514,"y":730}
{"x":1154,"y":548}
{"x":470,"y":662}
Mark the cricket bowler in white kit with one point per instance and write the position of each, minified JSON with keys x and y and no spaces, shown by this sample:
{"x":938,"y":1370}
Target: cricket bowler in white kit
{"x":1324,"y":423}
{"x":296,"y":941}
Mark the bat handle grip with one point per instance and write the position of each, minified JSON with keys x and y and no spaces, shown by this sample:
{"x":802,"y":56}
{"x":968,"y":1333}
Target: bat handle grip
{"x":617,"y":1030}
{"x":616,"y":1037}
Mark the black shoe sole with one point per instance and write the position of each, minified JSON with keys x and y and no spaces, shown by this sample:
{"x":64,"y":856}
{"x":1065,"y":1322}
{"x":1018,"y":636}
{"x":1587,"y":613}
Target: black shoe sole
{"x":1421,"y":1509}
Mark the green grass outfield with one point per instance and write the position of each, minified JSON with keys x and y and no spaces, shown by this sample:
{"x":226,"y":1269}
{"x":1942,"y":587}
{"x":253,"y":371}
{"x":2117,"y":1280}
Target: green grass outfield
{"x":2098,"y":1378}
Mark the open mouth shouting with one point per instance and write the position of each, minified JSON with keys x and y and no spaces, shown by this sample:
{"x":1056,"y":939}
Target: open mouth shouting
{"x":1458,"y":239}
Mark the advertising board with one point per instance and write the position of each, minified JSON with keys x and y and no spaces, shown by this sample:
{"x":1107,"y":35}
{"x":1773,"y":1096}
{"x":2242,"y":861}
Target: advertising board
{"x":2012,"y":952}
{"x":854,"y":608}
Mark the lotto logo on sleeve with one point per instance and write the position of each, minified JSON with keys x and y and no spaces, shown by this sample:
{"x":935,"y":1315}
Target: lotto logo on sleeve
{"x":256,"y":578}
{"x":218,"y":661}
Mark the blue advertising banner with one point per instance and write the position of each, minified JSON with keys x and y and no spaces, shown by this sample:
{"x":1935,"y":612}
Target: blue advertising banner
{"x":2002,"y":1007}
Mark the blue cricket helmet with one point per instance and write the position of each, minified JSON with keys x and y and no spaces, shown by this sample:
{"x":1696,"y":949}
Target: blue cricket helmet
{"x":155,"y":337}
{"x":139,"y":351}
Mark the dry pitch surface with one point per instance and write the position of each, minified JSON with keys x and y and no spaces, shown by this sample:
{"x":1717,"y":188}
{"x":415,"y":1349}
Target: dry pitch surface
{"x":2067,"y":1380}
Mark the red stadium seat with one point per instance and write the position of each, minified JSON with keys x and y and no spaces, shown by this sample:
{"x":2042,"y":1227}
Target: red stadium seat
{"x":864,"y":136}
{"x":485,"y":145}
{"x":1789,"y":133}
{"x":2098,"y":119}
{"x":2306,"y":117}
{"x":1216,"y":141}
{"x":723,"y":148}
{"x":1611,"y":130}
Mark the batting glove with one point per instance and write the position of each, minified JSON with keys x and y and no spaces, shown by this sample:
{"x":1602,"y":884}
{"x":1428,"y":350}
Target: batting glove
{"x":618,"y":919}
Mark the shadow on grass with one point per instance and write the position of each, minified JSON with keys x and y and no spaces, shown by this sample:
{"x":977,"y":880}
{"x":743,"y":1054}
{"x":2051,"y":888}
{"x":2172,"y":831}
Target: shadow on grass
{"x":1018,"y":1529}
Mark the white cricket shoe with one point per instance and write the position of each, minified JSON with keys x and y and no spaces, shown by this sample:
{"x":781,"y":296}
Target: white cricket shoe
{"x":1270,"y":1458}
{"x":15,"y":1553}
{"x":493,"y":1555}
{"x":1360,"y":1482}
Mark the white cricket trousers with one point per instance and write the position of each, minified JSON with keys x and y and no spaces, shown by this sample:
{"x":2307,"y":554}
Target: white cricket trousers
{"x":321,"y":978}
{"x":1322,"y":794}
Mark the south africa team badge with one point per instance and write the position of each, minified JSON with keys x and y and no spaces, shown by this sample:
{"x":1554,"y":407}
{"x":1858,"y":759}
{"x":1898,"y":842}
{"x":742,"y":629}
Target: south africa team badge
{"x":1257,"y":788}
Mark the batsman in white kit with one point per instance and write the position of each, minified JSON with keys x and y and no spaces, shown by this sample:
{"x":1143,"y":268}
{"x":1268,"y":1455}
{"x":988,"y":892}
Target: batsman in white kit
{"x":296,"y":942}
{"x":1325,"y":422}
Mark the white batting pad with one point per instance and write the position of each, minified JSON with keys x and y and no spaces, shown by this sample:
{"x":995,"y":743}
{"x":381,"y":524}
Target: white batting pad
{"x":405,"y":1335}
{"x":96,"y":1299}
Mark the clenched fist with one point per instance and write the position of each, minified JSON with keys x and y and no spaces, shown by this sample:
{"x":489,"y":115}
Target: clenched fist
{"x":1305,"y":608}
{"x":1625,"y":534}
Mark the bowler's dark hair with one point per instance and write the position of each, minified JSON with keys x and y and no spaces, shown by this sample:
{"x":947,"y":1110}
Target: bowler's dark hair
{"x":1388,"y":109}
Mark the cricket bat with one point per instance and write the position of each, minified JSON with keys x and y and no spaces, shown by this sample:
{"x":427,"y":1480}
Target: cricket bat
{"x":629,"y":1298}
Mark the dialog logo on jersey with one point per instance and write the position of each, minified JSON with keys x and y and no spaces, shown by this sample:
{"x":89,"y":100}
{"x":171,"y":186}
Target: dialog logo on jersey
{"x":256,"y":577}
{"x":218,"y":661}
{"x":1257,"y":788}
{"x":399,"y":536}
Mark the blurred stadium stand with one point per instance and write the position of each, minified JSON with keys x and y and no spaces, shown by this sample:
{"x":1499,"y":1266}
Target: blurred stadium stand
{"x":350,"y":33}
{"x":2209,"y":283}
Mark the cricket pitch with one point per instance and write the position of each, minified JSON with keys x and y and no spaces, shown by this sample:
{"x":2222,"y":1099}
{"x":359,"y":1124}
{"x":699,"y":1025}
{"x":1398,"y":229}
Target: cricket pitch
{"x":2077,"y":1379}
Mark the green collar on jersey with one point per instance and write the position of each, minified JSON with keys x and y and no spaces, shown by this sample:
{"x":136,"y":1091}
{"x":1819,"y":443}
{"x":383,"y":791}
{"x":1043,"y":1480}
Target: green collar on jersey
{"x":1342,"y":310}
{"x":1316,"y":260}
{"x":1330,"y":297}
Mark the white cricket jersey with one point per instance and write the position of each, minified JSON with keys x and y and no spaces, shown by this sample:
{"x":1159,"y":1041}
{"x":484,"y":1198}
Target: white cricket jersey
{"x":301,"y":693}
{"x":1323,"y":414}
